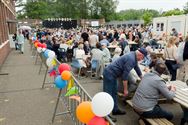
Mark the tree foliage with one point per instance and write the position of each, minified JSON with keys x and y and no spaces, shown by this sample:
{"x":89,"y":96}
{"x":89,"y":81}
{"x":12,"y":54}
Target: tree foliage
{"x":87,"y":9}
{"x":76,"y":9}
{"x":186,"y":8}
{"x":147,"y":17}
{"x":133,"y":14}
{"x":173,"y":12}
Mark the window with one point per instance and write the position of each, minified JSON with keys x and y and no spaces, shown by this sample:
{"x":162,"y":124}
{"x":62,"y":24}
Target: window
{"x":162,"y":26}
{"x":158,"y":26}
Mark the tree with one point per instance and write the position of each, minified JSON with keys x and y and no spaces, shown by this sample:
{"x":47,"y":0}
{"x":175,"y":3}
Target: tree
{"x":147,"y":17}
{"x":173,"y":12}
{"x":133,"y":14}
{"x":36,"y":10}
{"x":186,"y":8}
{"x":75,"y":9}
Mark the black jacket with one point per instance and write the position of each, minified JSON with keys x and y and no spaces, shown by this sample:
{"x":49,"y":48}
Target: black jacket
{"x":185,"y":52}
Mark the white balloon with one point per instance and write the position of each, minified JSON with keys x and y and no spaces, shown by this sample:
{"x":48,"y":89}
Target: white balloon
{"x":51,"y":54}
{"x":43,"y":49}
{"x":49,"y":62}
{"x":102,"y":104}
{"x":39,"y":49}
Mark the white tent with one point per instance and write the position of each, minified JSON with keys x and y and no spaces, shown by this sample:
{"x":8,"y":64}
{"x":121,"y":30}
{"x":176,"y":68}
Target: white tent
{"x":25,"y":27}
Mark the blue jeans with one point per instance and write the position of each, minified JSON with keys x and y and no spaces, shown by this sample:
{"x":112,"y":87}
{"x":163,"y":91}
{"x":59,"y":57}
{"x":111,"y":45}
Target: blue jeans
{"x":110,"y":86}
{"x":157,"y":112}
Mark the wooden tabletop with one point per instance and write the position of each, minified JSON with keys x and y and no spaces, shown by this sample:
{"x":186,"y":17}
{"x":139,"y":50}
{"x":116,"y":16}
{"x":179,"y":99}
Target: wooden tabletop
{"x":132,"y":43}
{"x":181,"y":96}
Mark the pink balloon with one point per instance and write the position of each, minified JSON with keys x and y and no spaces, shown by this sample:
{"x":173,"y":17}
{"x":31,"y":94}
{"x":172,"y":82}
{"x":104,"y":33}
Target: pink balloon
{"x":64,"y":67}
{"x":97,"y":121}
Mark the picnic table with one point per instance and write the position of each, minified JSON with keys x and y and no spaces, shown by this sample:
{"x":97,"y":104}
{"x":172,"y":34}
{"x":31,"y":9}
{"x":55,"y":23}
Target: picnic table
{"x":144,"y":71}
{"x":181,"y":95}
{"x":132,"y":43}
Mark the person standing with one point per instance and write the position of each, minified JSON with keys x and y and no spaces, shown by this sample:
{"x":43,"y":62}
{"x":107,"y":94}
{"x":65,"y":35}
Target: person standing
{"x":20,"y":39}
{"x":14,"y":37}
{"x":121,"y":68}
{"x":185,"y":60}
{"x":170,"y":56}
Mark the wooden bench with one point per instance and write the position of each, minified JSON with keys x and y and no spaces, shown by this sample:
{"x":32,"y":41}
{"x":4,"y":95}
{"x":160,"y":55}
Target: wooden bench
{"x":153,"y":121}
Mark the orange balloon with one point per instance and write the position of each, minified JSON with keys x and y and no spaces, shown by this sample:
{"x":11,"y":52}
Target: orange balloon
{"x":84,"y":112}
{"x":66,"y":75}
{"x":36,"y":44}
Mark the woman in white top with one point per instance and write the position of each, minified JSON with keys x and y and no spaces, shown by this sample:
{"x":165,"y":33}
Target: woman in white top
{"x":79,"y":54}
{"x":170,"y":57}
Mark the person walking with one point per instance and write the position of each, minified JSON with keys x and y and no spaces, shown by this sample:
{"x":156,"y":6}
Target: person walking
{"x":20,"y":39}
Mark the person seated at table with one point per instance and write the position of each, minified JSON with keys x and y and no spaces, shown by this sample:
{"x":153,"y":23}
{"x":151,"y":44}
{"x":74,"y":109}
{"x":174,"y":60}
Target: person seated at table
{"x":161,"y":43}
{"x":137,"y":45}
{"x":145,"y":100}
{"x":98,"y":54}
{"x":117,"y":53}
{"x":63,"y":45}
{"x":104,"y":41}
{"x":106,"y":51}
{"x":114,"y":42}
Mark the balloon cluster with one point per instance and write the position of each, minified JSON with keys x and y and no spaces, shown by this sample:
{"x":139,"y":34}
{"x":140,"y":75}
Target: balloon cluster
{"x":64,"y":69}
{"x":92,"y":113}
{"x":40,"y":46}
{"x":50,"y":55}
{"x":65,"y":75}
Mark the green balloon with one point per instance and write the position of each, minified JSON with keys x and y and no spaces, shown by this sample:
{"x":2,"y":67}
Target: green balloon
{"x":72,"y":91}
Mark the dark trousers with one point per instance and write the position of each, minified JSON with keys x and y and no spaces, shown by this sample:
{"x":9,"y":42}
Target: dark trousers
{"x":110,"y":86}
{"x":173,"y":72}
{"x":157,"y":112}
{"x":185,"y":116}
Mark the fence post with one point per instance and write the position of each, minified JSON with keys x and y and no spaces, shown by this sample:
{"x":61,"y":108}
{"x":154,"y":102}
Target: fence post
{"x":57,"y":102}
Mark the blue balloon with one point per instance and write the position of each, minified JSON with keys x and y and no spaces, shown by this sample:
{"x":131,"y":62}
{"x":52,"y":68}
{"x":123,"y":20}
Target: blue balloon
{"x":46,"y":53}
{"x":60,"y":83}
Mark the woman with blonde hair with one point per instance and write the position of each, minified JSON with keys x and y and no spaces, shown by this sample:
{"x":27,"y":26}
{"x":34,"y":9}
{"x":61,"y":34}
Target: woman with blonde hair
{"x":170,"y":57}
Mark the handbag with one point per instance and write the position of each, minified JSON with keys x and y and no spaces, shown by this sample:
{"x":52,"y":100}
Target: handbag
{"x":174,"y":66}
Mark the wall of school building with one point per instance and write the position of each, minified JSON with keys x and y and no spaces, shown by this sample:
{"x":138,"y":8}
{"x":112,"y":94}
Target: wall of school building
{"x":7,"y":27}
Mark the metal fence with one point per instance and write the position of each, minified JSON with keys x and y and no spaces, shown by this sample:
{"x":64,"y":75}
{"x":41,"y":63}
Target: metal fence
{"x":70,"y":104}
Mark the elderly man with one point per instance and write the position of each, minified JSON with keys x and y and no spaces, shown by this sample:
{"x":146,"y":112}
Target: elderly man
{"x":145,"y":100}
{"x":121,"y":68}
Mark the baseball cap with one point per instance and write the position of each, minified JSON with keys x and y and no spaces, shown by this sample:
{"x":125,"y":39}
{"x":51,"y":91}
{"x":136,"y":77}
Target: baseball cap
{"x":143,"y":51}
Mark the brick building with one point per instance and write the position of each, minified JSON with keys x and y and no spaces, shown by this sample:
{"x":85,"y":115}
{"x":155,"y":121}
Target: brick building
{"x":7,"y":26}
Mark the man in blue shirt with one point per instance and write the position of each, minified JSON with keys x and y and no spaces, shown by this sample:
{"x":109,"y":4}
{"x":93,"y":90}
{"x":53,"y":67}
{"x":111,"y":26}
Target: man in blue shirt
{"x":121,"y":68}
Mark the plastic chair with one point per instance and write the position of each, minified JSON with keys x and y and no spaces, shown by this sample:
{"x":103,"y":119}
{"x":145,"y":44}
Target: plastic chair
{"x":94,"y":67}
{"x":75,"y":64}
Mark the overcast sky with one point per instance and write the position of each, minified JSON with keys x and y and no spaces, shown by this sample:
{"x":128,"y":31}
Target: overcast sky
{"x":151,"y":4}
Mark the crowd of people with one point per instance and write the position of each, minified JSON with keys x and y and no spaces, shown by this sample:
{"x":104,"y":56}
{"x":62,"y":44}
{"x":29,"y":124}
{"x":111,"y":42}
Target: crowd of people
{"x":116,"y":67}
